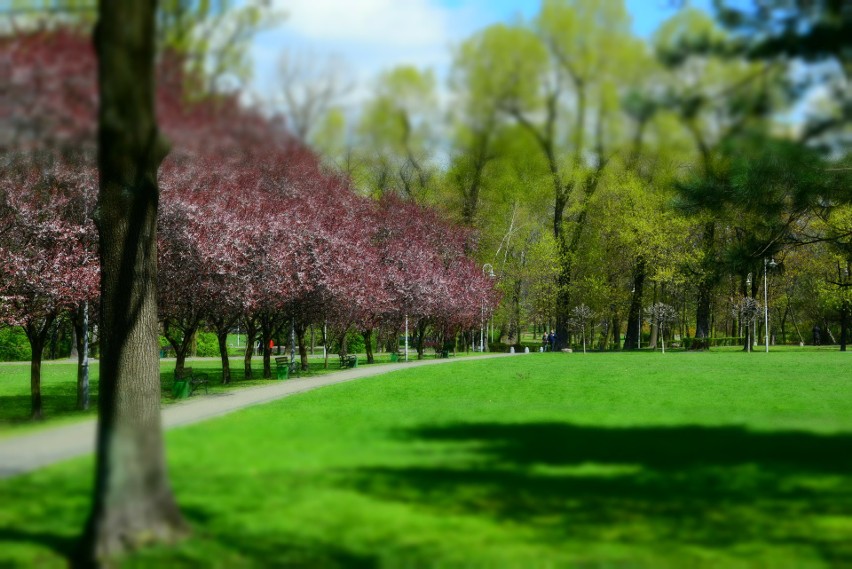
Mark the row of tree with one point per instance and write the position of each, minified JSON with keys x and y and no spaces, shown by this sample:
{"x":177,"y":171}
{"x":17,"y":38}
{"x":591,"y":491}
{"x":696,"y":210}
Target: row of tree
{"x":250,"y":229}
{"x":617,"y":172}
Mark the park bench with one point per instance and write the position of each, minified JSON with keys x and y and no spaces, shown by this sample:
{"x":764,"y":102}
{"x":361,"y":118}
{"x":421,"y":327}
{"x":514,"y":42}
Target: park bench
{"x":282,"y":367}
{"x":349,"y":360}
{"x":195,"y":379}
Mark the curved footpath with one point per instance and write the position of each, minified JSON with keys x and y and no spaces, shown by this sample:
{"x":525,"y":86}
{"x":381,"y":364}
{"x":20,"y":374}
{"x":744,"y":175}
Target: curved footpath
{"x":25,"y":453}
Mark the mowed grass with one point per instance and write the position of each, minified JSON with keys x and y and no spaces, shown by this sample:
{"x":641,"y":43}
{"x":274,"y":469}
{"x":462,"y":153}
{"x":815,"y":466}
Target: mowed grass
{"x":59,"y":386}
{"x":720,"y":459}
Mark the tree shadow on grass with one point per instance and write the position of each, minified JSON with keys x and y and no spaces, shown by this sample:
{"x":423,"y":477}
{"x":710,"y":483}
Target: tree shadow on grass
{"x":247,"y":549}
{"x":59,"y":544}
{"x":711,"y":487}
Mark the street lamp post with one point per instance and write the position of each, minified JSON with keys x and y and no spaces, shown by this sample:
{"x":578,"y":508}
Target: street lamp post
{"x":489,"y":272}
{"x":766,"y":266}
{"x":748,"y":315}
{"x":639,"y":322}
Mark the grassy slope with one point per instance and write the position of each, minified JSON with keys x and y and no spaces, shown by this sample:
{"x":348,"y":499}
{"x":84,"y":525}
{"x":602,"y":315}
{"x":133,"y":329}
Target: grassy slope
{"x":700,"y":460}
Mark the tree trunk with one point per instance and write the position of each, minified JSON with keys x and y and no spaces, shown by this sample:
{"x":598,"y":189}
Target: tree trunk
{"x":181,"y":344}
{"x":37,"y":336}
{"x":267,"y":360}
{"x":303,"y":348}
{"x":515,"y":319}
{"x":222,"y":338}
{"x":563,"y":295}
{"x":634,"y":319}
{"x":419,"y":336}
{"x":133,"y":502}
{"x":270,"y":326}
{"x":251,"y":338}
{"x":616,"y":332}
{"x":344,"y":344}
{"x":75,"y":342}
{"x":844,"y":325}
{"x":827,"y":330}
{"x":655,"y":329}
{"x":325,"y":345}
{"x":705,"y":289}
{"x":80,"y":322}
{"x":368,"y":344}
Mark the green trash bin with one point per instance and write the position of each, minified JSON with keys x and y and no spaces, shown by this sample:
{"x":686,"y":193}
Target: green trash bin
{"x":283,"y":371}
{"x":394,"y":357}
{"x":354,"y":361}
{"x":180,"y":389}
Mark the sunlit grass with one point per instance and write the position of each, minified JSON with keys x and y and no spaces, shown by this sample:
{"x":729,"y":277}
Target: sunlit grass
{"x":59,"y":386}
{"x":684,"y":460}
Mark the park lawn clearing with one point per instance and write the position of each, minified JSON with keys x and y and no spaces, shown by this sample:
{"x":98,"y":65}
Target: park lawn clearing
{"x":59,"y":387}
{"x":719,"y":459}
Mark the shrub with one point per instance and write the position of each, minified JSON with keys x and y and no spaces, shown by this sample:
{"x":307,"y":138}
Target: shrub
{"x":208,"y":345}
{"x":14,"y":346}
{"x":354,"y":344}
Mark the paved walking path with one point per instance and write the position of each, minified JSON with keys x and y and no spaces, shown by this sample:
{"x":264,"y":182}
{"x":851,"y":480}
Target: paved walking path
{"x":25,"y":453}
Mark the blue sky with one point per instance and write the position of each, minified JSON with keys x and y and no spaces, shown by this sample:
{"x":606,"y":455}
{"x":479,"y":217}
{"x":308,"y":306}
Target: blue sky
{"x":372,"y":35}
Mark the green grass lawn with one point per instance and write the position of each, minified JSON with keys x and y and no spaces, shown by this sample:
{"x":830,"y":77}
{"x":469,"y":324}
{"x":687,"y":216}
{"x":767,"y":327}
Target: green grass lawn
{"x":59,"y":386}
{"x":719,"y":459}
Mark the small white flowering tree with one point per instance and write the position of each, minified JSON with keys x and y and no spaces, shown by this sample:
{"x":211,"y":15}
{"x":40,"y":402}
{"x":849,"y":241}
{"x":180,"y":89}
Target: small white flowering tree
{"x":580,"y":317}
{"x":746,"y":309}
{"x":663,"y":315}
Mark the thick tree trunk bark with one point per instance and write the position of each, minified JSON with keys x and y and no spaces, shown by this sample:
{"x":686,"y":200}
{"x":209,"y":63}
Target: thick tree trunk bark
{"x":133,"y":503}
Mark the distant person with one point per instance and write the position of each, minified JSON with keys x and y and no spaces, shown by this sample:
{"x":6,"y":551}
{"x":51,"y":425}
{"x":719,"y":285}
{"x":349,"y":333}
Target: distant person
{"x":552,"y":339}
{"x":544,"y":341}
{"x":816,"y":332}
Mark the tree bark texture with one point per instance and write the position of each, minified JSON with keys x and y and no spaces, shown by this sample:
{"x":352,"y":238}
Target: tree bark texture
{"x":301,"y":331}
{"x":634,"y":319}
{"x":80,"y":322}
{"x":37,"y":335}
{"x":251,"y":338}
{"x":368,"y":344}
{"x":705,"y":291}
{"x":133,"y":503}
{"x":222,"y":339}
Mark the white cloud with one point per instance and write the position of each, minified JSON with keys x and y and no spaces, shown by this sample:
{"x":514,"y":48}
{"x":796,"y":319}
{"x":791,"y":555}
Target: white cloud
{"x":387,"y":23}
{"x":369,"y":35}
